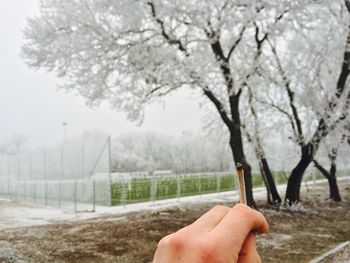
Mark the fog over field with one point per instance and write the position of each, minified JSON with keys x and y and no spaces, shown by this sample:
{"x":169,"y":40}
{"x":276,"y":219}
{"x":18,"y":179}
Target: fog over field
{"x":125,"y":121}
{"x":30,"y":103}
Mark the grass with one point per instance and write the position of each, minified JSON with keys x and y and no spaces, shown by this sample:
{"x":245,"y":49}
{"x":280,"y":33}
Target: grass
{"x":144,"y":189}
{"x":158,"y":188}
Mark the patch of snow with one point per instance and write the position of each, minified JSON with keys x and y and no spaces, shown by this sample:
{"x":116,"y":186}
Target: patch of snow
{"x":14,"y":216}
{"x":7,"y":252}
{"x":275,"y":240}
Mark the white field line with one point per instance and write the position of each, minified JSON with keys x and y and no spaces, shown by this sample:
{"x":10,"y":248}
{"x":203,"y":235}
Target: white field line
{"x":330,"y":252}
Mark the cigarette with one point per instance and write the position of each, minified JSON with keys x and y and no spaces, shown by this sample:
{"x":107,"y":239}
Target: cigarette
{"x":241,"y":184}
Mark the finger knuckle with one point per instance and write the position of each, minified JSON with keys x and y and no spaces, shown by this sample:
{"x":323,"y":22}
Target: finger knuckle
{"x":220,"y":208}
{"x":164,"y":242}
{"x":178,"y":241}
{"x":244,"y":210}
{"x":211,"y":251}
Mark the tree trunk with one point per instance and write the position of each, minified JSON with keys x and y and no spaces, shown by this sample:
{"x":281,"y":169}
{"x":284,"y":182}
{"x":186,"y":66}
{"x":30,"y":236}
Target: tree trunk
{"x":294,"y":180}
{"x":236,"y":144}
{"x":333,"y":185}
{"x":332,"y":180}
{"x":272,"y":194}
{"x":271,"y":189}
{"x":236,"y":141}
{"x":271,"y":186}
{"x":239,"y":157}
{"x":268,"y":191}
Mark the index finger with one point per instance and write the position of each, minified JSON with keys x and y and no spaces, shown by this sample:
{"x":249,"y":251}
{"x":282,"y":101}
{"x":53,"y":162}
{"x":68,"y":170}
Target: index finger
{"x":238,"y":223}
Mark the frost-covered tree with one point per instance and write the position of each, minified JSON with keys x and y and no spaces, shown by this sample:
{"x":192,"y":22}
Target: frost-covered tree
{"x":148,"y":152}
{"x":251,"y":126}
{"x":131,"y":53}
{"x":12,"y":145}
{"x":331,"y":173}
{"x":310,"y":71}
{"x":337,"y":142}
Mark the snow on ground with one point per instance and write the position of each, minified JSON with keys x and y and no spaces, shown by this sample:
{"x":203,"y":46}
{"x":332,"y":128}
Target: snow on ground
{"x":14,"y":215}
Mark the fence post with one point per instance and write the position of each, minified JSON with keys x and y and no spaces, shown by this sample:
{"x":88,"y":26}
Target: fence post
{"x":30,"y":166}
{"x":75,"y":196}
{"x":18,"y":170}
{"x":124,"y":195}
{"x":45,"y":193}
{"x":62,"y":163}
{"x":8,"y":164}
{"x":82,"y":160}
{"x":234,"y":180}
{"x":2,"y":190}
{"x":200,"y":186}
{"x":25,"y":191}
{"x":94,"y":196}
{"x":110,"y":168}
{"x":178,"y":190}
{"x":153,"y":189}
{"x":34,"y":192}
{"x":16,"y":192}
{"x":8,"y":184}
{"x":59,"y":194}
{"x":44,"y":164}
{"x":218,"y":183}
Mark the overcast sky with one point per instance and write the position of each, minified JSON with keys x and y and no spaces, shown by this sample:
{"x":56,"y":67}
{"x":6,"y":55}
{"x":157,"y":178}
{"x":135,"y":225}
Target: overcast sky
{"x":31,"y":104}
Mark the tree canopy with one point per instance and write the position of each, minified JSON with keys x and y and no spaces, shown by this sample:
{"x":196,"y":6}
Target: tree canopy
{"x":289,"y":57}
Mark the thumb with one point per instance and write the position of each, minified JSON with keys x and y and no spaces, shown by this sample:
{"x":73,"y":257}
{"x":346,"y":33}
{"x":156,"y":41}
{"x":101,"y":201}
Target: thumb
{"x":248,"y":253}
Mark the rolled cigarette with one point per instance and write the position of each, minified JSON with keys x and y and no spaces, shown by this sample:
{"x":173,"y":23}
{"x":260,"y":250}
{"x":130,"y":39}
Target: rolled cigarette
{"x":241,"y":184}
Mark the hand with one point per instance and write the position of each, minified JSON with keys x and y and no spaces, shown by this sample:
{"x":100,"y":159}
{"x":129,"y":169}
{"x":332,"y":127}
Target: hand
{"x":222,"y":235}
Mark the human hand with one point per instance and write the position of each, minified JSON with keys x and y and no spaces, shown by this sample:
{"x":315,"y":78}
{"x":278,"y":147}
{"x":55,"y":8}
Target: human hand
{"x":222,"y":235}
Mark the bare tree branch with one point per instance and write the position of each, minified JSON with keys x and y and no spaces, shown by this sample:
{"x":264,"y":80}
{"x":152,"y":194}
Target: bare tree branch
{"x":290,"y":93}
{"x":170,"y":39}
{"x":347,"y":4}
{"x":219,"y":106}
{"x":235,"y":44}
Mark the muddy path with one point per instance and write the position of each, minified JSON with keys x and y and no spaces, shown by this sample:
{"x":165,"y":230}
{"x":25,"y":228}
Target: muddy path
{"x":296,"y":235}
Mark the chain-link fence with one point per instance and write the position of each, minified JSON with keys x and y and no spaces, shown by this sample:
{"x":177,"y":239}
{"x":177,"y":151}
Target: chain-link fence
{"x":128,"y":189}
{"x":73,"y":175}
{"x":153,"y":188}
{"x":77,"y":175}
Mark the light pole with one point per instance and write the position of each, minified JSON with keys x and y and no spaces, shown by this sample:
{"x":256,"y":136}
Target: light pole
{"x":64,"y":124}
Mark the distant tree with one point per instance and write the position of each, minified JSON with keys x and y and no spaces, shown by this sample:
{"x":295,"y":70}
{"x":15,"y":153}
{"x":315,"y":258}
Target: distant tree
{"x":18,"y":139}
{"x":255,"y":138}
{"x":338,"y":139}
{"x":189,"y":153}
{"x":13,"y":145}
{"x":330,"y":175}
{"x":4,"y":146}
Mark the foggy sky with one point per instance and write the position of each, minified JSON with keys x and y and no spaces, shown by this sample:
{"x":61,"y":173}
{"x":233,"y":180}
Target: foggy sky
{"x":31,"y":104}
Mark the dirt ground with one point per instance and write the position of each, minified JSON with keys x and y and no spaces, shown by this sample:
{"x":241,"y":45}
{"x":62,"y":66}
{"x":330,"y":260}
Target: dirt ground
{"x":296,"y":235}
